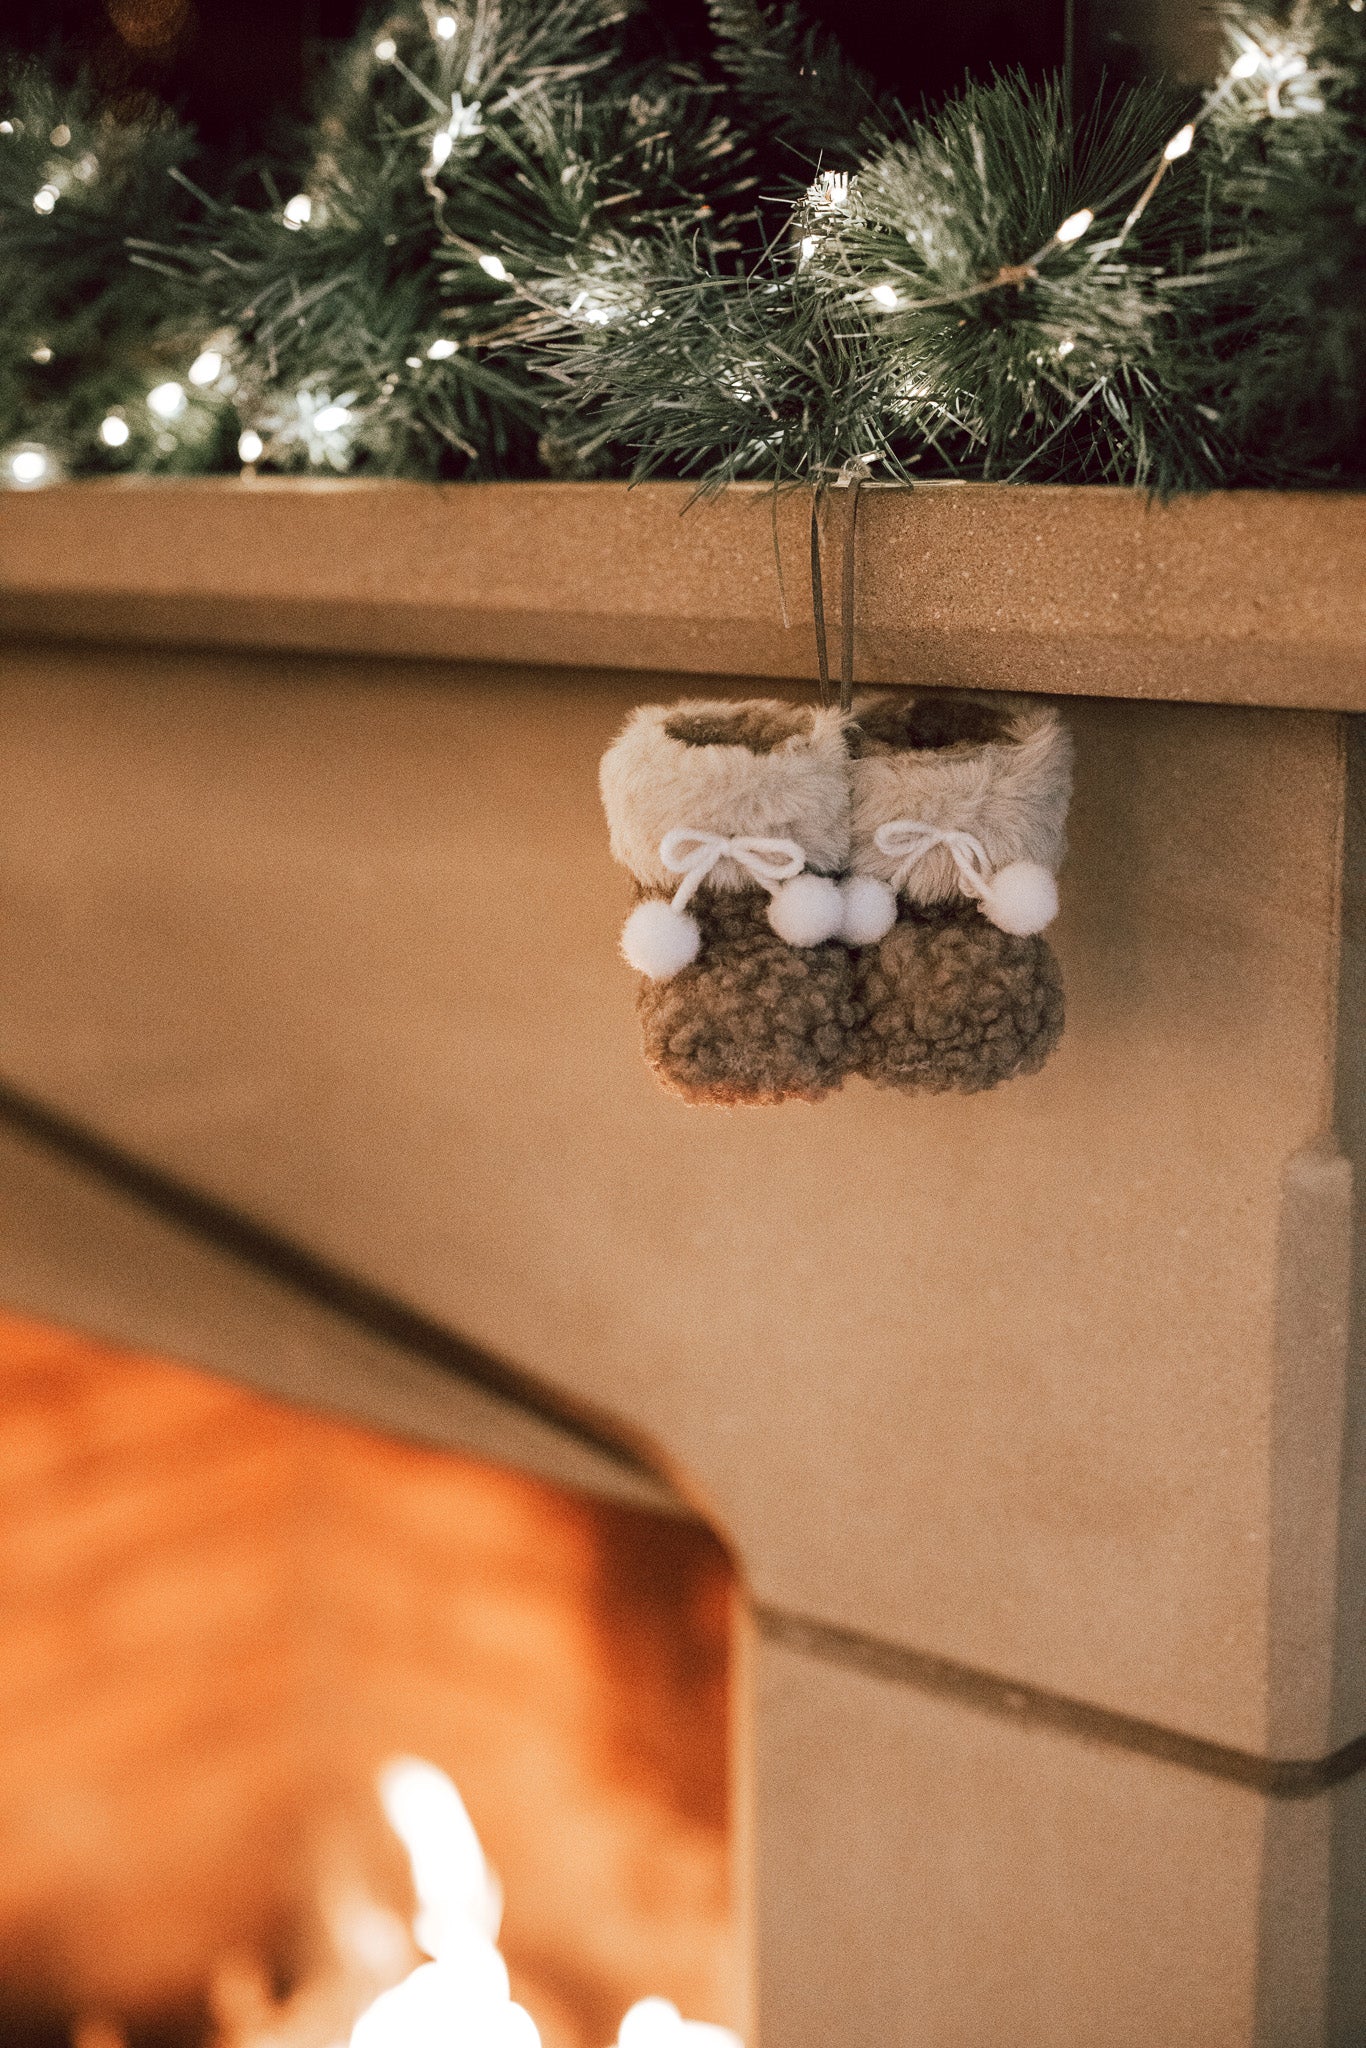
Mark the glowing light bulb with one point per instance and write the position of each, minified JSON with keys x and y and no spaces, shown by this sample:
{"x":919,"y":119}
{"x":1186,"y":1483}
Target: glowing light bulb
{"x":494,"y":267}
{"x":446,"y":26}
{"x":386,"y":49}
{"x":6,"y":127}
{"x":45,"y":198}
{"x":41,"y":354}
{"x":250,"y":446}
{"x":1246,"y":64}
{"x":810,"y":244}
{"x":114,"y":432}
{"x":1075,"y":226}
{"x":331,"y":418}
{"x":413,"y":362}
{"x":886,"y":295}
{"x":298,"y":211}
{"x":206,"y":368}
{"x":29,"y":466}
{"x":442,"y":145}
{"x":167,"y":401}
{"x":442,"y":349}
{"x":61,"y":135}
{"x":1065,"y":348}
{"x":1180,"y":143}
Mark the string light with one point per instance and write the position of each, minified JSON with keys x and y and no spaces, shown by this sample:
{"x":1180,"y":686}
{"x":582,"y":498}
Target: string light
{"x":29,"y":465}
{"x":1065,"y":348}
{"x":298,"y":211}
{"x":167,"y":401}
{"x":494,"y":267}
{"x":443,"y":142}
{"x":41,"y":354}
{"x":61,"y":136}
{"x":1180,"y":144}
{"x":413,"y":362}
{"x":45,"y":198}
{"x":830,"y":193}
{"x":442,"y":349}
{"x":386,"y":49}
{"x":206,"y":368}
{"x":114,"y":432}
{"x":6,"y":127}
{"x":886,"y":295}
{"x":1251,"y":60}
{"x":1074,"y":227}
{"x":446,"y":26}
{"x":331,"y":418}
{"x":250,"y":446}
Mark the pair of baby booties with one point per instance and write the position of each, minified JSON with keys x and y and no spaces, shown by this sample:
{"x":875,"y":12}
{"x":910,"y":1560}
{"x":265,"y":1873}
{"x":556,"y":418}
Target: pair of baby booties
{"x":823,"y":894}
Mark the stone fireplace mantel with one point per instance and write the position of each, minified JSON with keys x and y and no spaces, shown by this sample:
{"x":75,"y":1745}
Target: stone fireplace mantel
{"x":1033,"y":1419}
{"x":1250,"y":597}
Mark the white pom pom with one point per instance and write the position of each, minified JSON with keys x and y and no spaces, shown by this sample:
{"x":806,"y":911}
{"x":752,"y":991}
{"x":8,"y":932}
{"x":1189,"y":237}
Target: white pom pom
{"x":658,"y":940}
{"x":869,"y":910}
{"x":1021,"y":898}
{"x":806,"y":910}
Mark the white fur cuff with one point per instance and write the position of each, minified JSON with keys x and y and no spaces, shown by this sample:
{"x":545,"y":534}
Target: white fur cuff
{"x":995,"y":770}
{"x":761,"y":769}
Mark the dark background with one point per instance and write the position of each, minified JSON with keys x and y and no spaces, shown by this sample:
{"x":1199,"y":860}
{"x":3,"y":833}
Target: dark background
{"x":239,"y":69}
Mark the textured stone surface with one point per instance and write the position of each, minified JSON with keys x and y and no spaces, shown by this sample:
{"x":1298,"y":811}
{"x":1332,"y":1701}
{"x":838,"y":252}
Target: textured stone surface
{"x":931,"y":1873}
{"x":1049,"y":1381}
{"x":74,"y":1248}
{"x":1252,"y":597}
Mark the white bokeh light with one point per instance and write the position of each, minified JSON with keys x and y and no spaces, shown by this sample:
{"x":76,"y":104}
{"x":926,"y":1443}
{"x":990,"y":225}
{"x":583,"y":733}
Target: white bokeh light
{"x":167,"y":401}
{"x":28,"y":466}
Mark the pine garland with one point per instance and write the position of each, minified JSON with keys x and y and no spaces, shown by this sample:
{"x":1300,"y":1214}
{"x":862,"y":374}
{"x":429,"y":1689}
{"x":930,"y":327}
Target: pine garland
{"x":1286,"y":180}
{"x":459,"y":145}
{"x":1071,"y":364}
{"x":795,"y":83}
{"x":83,"y":341}
{"x":513,"y":243}
{"x":703,"y":373}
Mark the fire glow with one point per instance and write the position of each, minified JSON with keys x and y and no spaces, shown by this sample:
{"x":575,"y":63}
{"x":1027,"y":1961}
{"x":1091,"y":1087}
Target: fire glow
{"x":461,"y":1995}
{"x":195,"y":1854}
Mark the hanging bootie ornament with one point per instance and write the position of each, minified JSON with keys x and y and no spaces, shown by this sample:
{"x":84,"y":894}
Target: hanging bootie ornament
{"x":959,"y":805}
{"x":733,"y":820}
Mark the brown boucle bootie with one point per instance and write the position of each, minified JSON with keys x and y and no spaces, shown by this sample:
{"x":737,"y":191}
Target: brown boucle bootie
{"x":734,"y":819}
{"x":959,"y":805}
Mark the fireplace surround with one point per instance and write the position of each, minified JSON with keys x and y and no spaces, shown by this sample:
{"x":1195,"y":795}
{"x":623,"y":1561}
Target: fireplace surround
{"x":1032,"y":1420}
